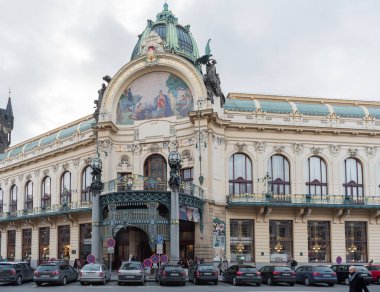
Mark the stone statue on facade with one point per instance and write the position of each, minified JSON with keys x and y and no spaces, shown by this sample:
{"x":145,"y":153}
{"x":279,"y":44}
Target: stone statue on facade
{"x":98,"y":101}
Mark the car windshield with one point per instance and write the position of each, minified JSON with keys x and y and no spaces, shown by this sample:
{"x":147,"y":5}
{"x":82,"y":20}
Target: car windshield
{"x":5,"y":266}
{"x":206,"y":268}
{"x":131,"y":266}
{"x":173,"y":268}
{"x":91,"y":268}
{"x":323,"y":270}
{"x":283,"y":269}
{"x":247,"y":269}
{"x":47,"y":268}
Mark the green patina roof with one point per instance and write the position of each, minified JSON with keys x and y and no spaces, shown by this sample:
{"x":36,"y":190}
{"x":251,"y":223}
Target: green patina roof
{"x":375,"y":112}
{"x":65,"y":133}
{"x":3,"y":156}
{"x":312,"y":109}
{"x":31,"y":146}
{"x":48,"y":140}
{"x":86,"y":125}
{"x":15,"y":151}
{"x":178,"y":39}
{"x":348,"y":111}
{"x":276,"y":107}
{"x":240,"y":105}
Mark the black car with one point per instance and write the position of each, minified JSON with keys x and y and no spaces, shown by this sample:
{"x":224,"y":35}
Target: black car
{"x":15,"y":272}
{"x":55,"y":272}
{"x":171,"y":274}
{"x":203,"y":273}
{"x":278,"y":274}
{"x":342,"y":273}
{"x":316,"y":274}
{"x":242,"y":274}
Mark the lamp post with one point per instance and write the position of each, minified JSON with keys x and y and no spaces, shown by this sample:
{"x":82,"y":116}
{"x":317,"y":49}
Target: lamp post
{"x":174,"y":183}
{"x":96,"y":188}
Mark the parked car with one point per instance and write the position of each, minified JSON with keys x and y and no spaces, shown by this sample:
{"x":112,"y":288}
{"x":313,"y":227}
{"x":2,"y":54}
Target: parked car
{"x":131,"y":272}
{"x":15,"y":272}
{"x":242,"y":274}
{"x":203,"y":273}
{"x":342,"y":273}
{"x":55,"y":272}
{"x":94,"y":273}
{"x":278,"y":274}
{"x":375,"y":272}
{"x":171,"y":274}
{"x":316,"y":274}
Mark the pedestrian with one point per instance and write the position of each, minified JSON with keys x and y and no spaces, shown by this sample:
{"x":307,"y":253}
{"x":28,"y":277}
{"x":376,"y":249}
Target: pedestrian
{"x":356,"y":281}
{"x":293,"y":263}
{"x":220,"y":266}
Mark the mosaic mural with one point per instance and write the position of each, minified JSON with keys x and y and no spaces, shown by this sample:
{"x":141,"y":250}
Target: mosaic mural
{"x":154,"y":95}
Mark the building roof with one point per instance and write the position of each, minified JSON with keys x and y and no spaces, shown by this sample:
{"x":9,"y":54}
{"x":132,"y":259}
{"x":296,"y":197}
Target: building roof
{"x":177,"y":38}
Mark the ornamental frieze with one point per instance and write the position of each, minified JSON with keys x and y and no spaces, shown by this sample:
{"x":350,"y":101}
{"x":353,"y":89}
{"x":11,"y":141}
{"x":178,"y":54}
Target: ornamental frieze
{"x":279,"y":148}
{"x":316,"y":150}
{"x":260,"y":146}
{"x":297,"y":148}
{"x":334,"y":149}
{"x":353,"y":152}
{"x":241,"y":147}
{"x":370,"y":151}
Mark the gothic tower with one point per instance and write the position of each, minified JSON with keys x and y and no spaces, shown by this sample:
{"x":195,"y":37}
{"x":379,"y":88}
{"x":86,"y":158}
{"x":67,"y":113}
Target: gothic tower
{"x":6,"y":126}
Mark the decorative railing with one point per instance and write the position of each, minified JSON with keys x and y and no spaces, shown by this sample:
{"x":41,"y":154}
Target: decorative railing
{"x":52,"y":210}
{"x":304,"y":200}
{"x":141,"y":183}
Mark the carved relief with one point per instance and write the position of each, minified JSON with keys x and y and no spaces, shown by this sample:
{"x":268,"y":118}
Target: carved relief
{"x":55,"y":168}
{"x":279,"y":148}
{"x":353,"y":152}
{"x":28,"y":176}
{"x":76,"y":162}
{"x":136,"y":148}
{"x":136,"y":134}
{"x":186,"y":154}
{"x":370,"y":151}
{"x":105,"y":145}
{"x":334,"y":149}
{"x":20,"y":177}
{"x":65,"y":166}
{"x":124,"y":160}
{"x":154,"y":148}
{"x":218,"y":140}
{"x":316,"y":150}
{"x":46,"y":172}
{"x":297,"y":148}
{"x":260,"y":146}
{"x":241,"y":147}
{"x":172,"y":130}
{"x":13,"y":181}
{"x":173,"y":143}
{"x":87,"y":161}
{"x":37,"y":173}
{"x":6,"y":181}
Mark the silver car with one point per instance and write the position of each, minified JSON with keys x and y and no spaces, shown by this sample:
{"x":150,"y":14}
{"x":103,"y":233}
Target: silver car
{"x":130,"y":272}
{"x":94,"y":273}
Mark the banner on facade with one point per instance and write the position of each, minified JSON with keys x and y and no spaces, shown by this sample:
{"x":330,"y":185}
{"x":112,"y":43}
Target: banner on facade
{"x":219,"y":239}
{"x":189,"y":214}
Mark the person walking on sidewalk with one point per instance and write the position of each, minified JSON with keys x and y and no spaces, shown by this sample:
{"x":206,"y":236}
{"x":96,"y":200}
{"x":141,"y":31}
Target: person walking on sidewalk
{"x":356,"y":281}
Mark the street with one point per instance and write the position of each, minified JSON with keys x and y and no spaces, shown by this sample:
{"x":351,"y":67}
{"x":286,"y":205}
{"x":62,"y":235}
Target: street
{"x":112,"y":286}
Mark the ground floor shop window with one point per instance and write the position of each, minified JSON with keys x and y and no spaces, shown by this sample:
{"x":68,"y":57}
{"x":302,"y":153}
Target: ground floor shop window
{"x":85,"y":240}
{"x":242,"y":240}
{"x":281,"y":238}
{"x":44,"y":241}
{"x":11,"y":245}
{"x":64,"y":242}
{"x":26,"y":243}
{"x":318,"y":234}
{"x":356,"y":241}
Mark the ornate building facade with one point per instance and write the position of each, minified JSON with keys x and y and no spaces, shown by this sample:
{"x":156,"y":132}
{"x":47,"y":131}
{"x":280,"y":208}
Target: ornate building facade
{"x":264,"y":178}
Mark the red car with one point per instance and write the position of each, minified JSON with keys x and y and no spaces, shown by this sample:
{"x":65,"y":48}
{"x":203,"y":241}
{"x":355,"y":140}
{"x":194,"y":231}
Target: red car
{"x":375,"y":272}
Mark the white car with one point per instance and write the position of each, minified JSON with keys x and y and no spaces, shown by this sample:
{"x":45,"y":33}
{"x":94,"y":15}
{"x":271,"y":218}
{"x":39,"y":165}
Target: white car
{"x":94,"y":273}
{"x":131,"y":272}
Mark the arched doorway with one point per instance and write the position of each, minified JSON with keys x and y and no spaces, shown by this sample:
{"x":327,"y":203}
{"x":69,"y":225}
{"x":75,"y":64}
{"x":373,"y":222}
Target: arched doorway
{"x":155,"y":169}
{"x":131,"y":242}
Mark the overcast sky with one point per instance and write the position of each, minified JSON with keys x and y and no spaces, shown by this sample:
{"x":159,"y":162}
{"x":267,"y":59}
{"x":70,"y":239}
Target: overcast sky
{"x":54,"y":53}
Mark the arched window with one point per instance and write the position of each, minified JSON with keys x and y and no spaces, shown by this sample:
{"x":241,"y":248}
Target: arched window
{"x":278,"y":167}
{"x":155,"y":173}
{"x":240,"y":174}
{"x":353,"y":185}
{"x":13,"y":199}
{"x":1,"y":201}
{"x":28,"y":198}
{"x":65,"y":197}
{"x":317,"y":176}
{"x":46,"y":193}
{"x":86,"y":183}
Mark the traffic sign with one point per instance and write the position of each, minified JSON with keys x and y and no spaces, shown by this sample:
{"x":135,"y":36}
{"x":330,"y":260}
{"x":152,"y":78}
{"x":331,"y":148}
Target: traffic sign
{"x":91,"y":259}
{"x":160,"y":239}
{"x":110,"y":242}
{"x":147,"y":263}
{"x":111,"y":249}
{"x":160,"y":248}
{"x":164,"y":259}
{"x":155,"y":258}
{"x":338,"y":260}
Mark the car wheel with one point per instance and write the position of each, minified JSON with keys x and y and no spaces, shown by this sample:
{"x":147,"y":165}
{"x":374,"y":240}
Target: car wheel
{"x":307,"y":281}
{"x":104,"y":281}
{"x":234,"y":282}
{"x":347,"y":281}
{"x":258,"y":284}
{"x":195,"y":281}
{"x":118,"y":283}
{"x":184,"y":283}
{"x":291,"y":284}
{"x":216,"y":282}
{"x":18,"y":280}
{"x":331,"y":284}
{"x":38,"y":283}
{"x":270,"y":282}
{"x":64,"y":281}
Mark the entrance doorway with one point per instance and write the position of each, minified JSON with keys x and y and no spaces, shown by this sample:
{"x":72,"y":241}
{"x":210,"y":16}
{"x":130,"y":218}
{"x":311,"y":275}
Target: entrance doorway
{"x":131,"y":242}
{"x":186,"y":239}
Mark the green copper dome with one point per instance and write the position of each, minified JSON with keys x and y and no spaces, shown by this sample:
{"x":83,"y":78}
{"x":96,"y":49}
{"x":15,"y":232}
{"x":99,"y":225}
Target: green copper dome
{"x":177,"y":38}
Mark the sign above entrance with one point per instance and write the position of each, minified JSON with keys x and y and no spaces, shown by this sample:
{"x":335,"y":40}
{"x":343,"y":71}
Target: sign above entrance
{"x":110,"y":242}
{"x":91,"y":259}
{"x":147,"y":263}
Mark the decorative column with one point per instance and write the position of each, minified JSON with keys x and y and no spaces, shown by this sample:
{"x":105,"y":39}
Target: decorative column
{"x":96,"y":188}
{"x":174,"y":183}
